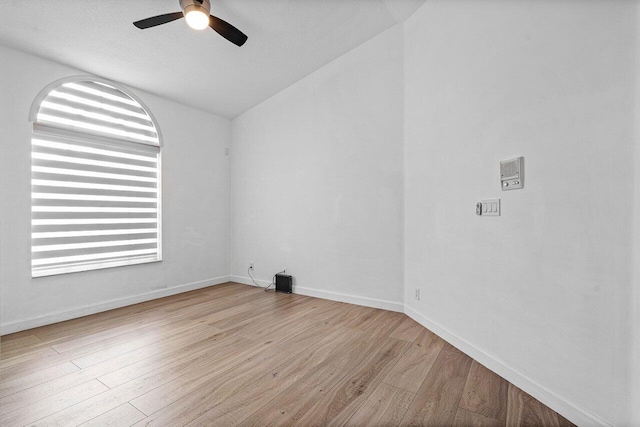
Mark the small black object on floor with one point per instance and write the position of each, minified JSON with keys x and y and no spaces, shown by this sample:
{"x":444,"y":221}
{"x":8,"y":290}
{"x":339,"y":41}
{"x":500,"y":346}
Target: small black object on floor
{"x":283,"y":283}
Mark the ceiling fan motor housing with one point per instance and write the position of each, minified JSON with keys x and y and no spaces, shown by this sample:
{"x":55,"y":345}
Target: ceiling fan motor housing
{"x":203,"y":6}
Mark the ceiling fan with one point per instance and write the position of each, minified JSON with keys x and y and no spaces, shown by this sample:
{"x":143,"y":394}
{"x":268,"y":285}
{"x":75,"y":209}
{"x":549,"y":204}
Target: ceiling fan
{"x":196,"y":13}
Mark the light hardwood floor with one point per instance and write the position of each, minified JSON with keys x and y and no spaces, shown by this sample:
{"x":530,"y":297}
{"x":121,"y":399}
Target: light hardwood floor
{"x":236,"y":355}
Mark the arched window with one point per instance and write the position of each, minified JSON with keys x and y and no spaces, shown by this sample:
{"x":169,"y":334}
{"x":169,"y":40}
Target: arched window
{"x":95,"y":178}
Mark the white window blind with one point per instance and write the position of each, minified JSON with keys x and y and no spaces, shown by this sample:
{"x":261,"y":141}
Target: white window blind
{"x":95,"y":181}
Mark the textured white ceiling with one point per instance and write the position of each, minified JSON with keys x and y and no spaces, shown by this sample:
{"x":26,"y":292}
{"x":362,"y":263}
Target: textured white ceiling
{"x":288,"y":39}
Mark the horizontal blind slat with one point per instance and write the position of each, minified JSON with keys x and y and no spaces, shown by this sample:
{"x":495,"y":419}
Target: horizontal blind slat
{"x":70,"y":160}
{"x":91,"y":193}
{"x":98,"y":184}
{"x":73,"y":215}
{"x":94,"y":257}
{"x":90,"y":171}
{"x":39,"y":237}
{"x":91,"y":174}
{"x":76,"y":98}
{"x":45,"y":198}
{"x":91,"y":209}
{"x":91,"y":244}
{"x":82,"y":126}
{"x":43,"y":256}
{"x":87,"y":182}
{"x":45,"y":137}
{"x":94,"y":221}
{"x":103,"y":90}
{"x":72,"y":267}
{"x":115,"y":120}
{"x":70,"y":152}
{"x":103,"y":260}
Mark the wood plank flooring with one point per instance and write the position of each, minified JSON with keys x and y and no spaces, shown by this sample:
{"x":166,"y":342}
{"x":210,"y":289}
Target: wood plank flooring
{"x":235,"y":355}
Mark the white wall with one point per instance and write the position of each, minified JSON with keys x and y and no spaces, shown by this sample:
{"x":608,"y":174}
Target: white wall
{"x":317,"y":179}
{"x":540,"y":293}
{"x":195,"y":208}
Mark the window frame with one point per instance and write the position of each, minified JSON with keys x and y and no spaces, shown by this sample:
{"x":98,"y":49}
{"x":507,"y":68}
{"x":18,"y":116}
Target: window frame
{"x":108,"y":142}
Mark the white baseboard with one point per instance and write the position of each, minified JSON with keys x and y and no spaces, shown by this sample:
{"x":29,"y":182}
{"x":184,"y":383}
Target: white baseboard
{"x":333,"y":296}
{"x":351,"y":299}
{"x":566,"y":408}
{"x":60,"y":316}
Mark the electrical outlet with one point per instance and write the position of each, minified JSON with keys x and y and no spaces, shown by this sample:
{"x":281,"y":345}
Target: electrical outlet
{"x":250,"y":266}
{"x":417,"y":294}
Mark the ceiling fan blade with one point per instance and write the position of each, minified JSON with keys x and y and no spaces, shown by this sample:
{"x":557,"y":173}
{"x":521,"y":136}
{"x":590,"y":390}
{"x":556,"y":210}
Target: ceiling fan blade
{"x":158,"y":20}
{"x":227,"y":31}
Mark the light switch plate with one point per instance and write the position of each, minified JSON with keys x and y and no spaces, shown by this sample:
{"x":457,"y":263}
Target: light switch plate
{"x":491,"y":207}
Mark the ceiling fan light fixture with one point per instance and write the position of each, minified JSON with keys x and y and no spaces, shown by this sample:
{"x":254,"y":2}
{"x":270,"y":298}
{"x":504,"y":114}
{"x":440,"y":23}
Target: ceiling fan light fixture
{"x":197,"y":19}
{"x":196,"y":13}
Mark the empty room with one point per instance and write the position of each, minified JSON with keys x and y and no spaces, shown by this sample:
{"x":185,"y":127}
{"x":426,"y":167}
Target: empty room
{"x":320,"y":213}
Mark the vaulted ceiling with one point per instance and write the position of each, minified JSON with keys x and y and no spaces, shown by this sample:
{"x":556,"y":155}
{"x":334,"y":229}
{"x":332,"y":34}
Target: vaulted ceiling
{"x":288,"y":39}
